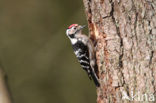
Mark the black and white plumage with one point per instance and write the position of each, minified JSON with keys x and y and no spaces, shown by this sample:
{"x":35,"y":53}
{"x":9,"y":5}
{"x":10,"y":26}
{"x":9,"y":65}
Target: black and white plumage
{"x":84,"y":50}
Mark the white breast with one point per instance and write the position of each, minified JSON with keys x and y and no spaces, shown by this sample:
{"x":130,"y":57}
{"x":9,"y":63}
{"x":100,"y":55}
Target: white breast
{"x":73,"y":40}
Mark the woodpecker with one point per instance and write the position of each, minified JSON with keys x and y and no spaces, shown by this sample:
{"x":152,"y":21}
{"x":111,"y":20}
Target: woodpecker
{"x":84,"y":50}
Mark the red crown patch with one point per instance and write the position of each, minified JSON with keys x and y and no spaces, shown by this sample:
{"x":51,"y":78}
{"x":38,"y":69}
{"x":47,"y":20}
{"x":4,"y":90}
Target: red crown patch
{"x":72,"y":26}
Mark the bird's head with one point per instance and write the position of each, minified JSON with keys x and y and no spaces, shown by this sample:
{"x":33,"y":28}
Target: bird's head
{"x":73,"y":30}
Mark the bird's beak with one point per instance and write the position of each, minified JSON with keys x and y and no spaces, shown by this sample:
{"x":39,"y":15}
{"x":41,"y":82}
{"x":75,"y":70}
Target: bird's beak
{"x":80,"y":28}
{"x":83,"y":26}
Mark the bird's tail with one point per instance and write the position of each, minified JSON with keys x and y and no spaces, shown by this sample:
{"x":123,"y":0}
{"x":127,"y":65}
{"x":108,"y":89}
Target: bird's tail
{"x":95,"y":79}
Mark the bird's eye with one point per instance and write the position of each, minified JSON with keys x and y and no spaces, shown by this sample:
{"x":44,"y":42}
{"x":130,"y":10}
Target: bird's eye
{"x":74,"y":27}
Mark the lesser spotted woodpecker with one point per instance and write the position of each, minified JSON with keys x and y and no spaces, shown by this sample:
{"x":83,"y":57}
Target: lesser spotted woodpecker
{"x":84,"y":50}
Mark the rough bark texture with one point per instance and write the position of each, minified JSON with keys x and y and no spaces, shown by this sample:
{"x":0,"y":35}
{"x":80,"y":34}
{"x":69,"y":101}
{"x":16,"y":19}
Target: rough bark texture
{"x":4,"y":94}
{"x":125,"y":35}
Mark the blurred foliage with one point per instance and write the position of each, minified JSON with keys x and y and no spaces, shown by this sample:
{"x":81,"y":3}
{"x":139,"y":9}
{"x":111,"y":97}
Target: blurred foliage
{"x":36,"y":54}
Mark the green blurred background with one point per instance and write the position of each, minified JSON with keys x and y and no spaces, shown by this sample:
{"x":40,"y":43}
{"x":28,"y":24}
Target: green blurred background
{"x":36,"y":54}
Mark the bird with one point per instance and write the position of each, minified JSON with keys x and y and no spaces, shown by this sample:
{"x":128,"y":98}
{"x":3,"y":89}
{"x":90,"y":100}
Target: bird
{"x":84,"y":50}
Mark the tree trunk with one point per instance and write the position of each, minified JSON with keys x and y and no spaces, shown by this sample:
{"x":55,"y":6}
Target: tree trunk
{"x":125,"y":35}
{"x":4,"y":94}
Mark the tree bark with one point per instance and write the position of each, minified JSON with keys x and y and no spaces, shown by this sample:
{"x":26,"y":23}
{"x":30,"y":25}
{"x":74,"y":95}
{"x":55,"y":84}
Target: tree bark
{"x":4,"y":93}
{"x":125,"y":35}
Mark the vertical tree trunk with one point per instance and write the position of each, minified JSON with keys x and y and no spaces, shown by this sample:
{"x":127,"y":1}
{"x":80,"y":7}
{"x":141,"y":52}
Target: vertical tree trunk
{"x":125,"y":35}
{"x":4,"y":94}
